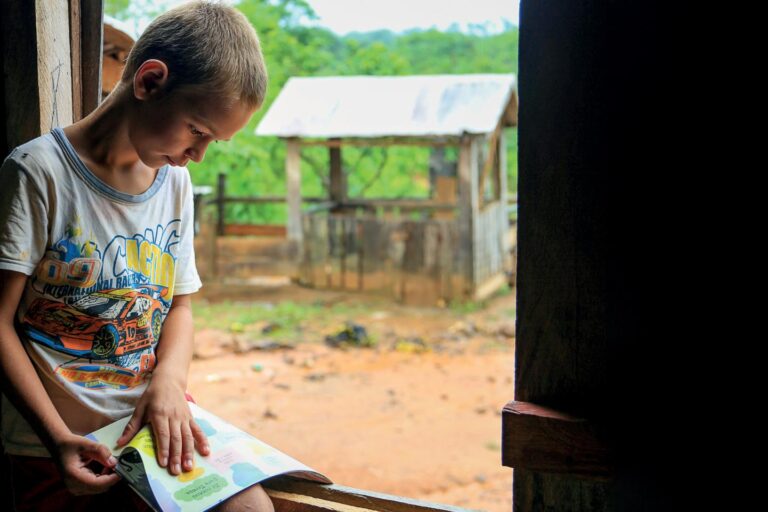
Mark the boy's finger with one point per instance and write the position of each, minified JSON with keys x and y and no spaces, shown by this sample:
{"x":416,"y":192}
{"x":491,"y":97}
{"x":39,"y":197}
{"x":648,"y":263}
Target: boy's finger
{"x":161,"y":431}
{"x":100,"y":453}
{"x":94,"y":484}
{"x":174,"y":450}
{"x":131,"y":427}
{"x":188,"y":447}
{"x":201,"y":440}
{"x":105,"y":456}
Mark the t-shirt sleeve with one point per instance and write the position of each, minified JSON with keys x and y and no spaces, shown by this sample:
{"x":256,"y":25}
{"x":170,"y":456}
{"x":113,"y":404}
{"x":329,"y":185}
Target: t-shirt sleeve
{"x":187,"y":279}
{"x":23,"y":219}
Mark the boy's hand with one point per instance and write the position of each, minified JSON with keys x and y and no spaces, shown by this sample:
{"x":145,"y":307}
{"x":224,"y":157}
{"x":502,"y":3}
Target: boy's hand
{"x":76,"y":456}
{"x":164,"y":406}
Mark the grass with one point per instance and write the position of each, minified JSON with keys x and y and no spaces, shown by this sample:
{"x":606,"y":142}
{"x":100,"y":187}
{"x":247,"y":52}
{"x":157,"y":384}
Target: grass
{"x":289,"y":316}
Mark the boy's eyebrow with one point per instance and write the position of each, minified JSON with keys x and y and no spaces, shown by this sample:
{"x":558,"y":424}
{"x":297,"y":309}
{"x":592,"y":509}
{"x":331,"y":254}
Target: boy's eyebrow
{"x":207,"y":126}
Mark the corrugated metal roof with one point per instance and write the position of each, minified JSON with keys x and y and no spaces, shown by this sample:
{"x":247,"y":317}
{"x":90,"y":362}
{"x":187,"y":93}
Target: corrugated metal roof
{"x":388,"y":106}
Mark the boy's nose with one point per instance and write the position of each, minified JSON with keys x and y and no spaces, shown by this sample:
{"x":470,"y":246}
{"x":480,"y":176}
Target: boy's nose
{"x":197,"y":153}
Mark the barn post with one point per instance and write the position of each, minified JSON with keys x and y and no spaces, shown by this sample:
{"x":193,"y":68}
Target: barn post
{"x":338,"y":182}
{"x":468,"y":210}
{"x":293,"y":191}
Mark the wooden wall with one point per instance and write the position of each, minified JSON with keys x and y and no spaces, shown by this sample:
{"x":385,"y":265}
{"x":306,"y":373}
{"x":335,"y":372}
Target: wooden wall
{"x":413,"y":261}
{"x":607,"y":268}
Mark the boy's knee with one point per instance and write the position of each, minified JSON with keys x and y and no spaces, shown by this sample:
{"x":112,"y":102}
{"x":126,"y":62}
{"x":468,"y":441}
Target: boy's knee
{"x":253,"y":499}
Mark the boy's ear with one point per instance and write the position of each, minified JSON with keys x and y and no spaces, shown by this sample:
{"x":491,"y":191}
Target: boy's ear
{"x":150,"y":79}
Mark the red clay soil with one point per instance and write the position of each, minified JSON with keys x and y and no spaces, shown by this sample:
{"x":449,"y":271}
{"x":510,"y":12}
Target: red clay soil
{"x":423,"y":425}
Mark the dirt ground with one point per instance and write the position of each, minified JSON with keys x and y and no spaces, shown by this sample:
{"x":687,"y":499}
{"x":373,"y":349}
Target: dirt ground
{"x":418,"y":415}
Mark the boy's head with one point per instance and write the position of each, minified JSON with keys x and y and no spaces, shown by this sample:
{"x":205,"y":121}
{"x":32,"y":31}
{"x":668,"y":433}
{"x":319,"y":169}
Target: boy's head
{"x":210,"y":49}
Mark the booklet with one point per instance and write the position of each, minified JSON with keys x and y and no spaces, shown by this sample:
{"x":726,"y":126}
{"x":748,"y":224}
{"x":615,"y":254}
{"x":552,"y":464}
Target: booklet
{"x":236,"y":461}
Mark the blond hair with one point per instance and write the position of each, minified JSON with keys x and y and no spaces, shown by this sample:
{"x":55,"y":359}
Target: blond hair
{"x":209,"y":48}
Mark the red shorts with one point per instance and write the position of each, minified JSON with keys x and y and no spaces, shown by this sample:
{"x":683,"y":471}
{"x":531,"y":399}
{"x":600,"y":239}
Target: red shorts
{"x":37,"y":486}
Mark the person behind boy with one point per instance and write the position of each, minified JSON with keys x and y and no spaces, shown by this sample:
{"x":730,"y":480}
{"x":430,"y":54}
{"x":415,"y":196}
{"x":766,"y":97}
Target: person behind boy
{"x":97,"y":263}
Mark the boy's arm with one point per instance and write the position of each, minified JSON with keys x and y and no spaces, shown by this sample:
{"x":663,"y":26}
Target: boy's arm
{"x":23,"y":387}
{"x":164,"y":403}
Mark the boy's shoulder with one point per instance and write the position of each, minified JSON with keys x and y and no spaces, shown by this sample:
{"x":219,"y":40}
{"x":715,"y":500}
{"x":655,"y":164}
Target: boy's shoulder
{"x":39,"y":156}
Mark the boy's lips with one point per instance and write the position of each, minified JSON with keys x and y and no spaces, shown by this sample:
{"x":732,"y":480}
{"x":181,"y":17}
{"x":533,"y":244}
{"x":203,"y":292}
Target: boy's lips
{"x":174,"y":163}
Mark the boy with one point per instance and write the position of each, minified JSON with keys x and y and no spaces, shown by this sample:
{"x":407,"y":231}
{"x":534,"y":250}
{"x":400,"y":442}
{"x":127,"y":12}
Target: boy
{"x":97,"y":263}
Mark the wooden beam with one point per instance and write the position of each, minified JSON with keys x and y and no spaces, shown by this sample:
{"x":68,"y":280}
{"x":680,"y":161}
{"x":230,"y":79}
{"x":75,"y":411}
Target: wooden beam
{"x":293,"y":190}
{"x":338,"y":185}
{"x":468,"y":209}
{"x":289,"y":494}
{"x":75,"y":31}
{"x":54,"y":80}
{"x":383,"y":141}
{"x":91,"y":43}
{"x":20,"y":71}
{"x":254,"y":230}
{"x":542,"y":439}
{"x":264,"y":199}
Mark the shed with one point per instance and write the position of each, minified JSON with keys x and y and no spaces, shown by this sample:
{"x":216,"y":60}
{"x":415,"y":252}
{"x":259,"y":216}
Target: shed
{"x":450,"y":246}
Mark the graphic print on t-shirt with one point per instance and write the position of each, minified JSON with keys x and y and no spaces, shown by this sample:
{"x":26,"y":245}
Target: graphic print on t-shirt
{"x":105,"y":308}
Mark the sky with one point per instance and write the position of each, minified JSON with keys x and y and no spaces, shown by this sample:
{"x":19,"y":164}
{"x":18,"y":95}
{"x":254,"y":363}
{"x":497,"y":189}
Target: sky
{"x":344,"y":16}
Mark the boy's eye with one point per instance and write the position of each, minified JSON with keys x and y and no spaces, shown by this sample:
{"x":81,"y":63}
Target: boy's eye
{"x":196,"y":132}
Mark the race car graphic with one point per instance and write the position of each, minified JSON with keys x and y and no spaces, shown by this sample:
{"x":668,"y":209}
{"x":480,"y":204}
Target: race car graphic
{"x":98,"y":326}
{"x":99,"y":375}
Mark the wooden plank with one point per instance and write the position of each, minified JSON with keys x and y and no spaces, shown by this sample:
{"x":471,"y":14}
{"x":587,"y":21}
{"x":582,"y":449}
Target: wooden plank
{"x":221,"y":190}
{"x":75,"y":30}
{"x":91,"y":42}
{"x":268,"y":199}
{"x":54,"y":80}
{"x":386,"y":141}
{"x":338,"y":182}
{"x":293,"y":189}
{"x":468,"y":210}
{"x":539,"y":438}
{"x":445,"y":193}
{"x":254,"y":230}
{"x":489,"y":286}
{"x":285,"y":491}
{"x":20,"y":72}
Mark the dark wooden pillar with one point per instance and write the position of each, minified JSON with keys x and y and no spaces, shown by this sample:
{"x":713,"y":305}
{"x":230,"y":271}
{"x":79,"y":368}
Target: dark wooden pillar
{"x":605,"y":278}
{"x":338,"y":180}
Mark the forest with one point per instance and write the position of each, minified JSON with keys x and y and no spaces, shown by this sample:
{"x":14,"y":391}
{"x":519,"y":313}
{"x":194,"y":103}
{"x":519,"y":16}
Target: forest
{"x":295,"y":45}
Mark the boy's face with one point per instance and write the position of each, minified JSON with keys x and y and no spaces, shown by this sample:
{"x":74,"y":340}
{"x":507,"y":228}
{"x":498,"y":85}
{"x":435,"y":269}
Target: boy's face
{"x":178,"y":133}
{"x":179,"y":128}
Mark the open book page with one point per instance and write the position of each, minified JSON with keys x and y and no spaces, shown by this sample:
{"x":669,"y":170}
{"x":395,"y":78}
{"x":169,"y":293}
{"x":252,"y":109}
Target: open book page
{"x":237,"y":461}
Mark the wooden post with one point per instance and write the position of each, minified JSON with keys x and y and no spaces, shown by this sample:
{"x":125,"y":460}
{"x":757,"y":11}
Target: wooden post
{"x":293,"y":191}
{"x":91,"y":44}
{"x":75,"y":37}
{"x":54,"y":64}
{"x":468,"y":210}
{"x":37,"y":70}
{"x":338,"y":185}
{"x":221,"y":192}
{"x":501,"y":183}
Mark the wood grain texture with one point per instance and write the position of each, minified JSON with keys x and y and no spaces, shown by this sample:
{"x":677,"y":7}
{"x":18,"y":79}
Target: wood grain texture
{"x":293,"y":190}
{"x":91,"y":43}
{"x":54,"y":64}
{"x":75,"y":30}
{"x":542,"y":439}
{"x":20,"y":72}
{"x":297,"y":495}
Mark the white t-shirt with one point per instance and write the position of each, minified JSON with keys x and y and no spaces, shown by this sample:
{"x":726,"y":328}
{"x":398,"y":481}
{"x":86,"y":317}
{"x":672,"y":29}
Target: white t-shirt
{"x":104,"y":267}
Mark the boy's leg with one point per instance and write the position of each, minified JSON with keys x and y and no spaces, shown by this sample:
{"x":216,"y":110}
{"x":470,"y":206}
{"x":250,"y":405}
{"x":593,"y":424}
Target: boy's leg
{"x":37,"y":486}
{"x":252,"y":499}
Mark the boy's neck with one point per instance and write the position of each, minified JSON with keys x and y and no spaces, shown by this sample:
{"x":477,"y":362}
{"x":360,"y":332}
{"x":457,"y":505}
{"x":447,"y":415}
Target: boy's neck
{"x":101,"y":140}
